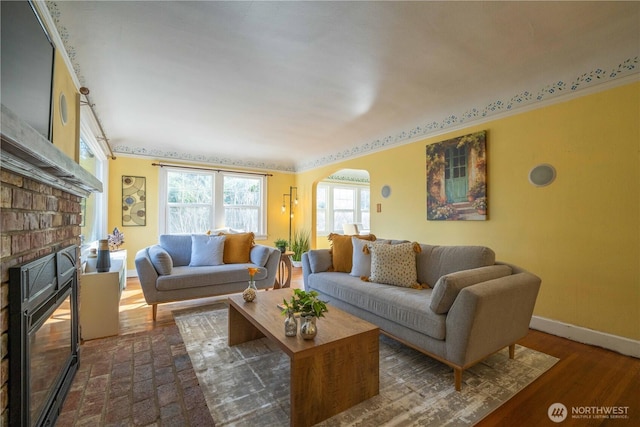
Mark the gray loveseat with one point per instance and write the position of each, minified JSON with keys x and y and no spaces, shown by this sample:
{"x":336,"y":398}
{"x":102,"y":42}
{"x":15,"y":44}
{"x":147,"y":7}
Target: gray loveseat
{"x":470,"y":308}
{"x":167,"y":272}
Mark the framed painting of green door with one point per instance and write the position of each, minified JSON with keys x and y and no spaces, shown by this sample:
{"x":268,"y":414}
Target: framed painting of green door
{"x":456,"y":179}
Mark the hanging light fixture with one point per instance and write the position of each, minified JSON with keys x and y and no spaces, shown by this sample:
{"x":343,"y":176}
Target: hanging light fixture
{"x":293,"y":201}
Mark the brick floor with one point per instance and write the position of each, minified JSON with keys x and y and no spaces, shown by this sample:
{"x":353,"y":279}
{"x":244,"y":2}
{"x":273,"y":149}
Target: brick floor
{"x":143,"y":379}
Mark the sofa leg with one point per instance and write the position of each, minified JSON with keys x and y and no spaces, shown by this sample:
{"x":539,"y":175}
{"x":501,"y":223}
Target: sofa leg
{"x":512,"y":351}
{"x":457,"y":375}
{"x":154,"y":310}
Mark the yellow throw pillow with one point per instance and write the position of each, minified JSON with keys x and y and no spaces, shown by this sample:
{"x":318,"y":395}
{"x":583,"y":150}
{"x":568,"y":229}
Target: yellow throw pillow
{"x":237,"y":248}
{"x":342,"y":250}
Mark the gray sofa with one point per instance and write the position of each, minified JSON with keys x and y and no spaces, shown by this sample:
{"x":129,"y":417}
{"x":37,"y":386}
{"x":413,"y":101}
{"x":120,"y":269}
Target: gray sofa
{"x":470,"y":308}
{"x":166,"y":272}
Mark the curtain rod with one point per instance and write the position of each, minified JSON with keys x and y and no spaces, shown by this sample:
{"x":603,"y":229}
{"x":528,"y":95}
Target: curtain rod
{"x":85,"y":91}
{"x":209,"y":169}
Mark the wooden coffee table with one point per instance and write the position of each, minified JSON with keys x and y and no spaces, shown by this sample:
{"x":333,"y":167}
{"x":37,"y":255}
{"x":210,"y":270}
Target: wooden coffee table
{"x":331,"y":373}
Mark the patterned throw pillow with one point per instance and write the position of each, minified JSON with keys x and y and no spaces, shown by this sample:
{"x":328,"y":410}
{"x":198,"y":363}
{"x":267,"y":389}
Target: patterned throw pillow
{"x":394,"y":264}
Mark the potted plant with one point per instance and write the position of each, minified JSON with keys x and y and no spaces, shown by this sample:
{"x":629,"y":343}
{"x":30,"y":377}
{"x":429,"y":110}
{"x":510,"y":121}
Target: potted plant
{"x":299,"y":245}
{"x":281,"y":244}
{"x":305,"y":303}
{"x":310,"y":308}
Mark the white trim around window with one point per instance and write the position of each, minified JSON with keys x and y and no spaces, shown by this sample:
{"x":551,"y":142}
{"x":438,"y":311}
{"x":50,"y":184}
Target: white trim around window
{"x":249,"y":203}
{"x":359,"y":209}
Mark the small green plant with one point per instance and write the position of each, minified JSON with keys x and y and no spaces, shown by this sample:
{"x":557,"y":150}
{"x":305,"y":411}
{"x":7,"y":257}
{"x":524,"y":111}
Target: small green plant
{"x":306,"y":303}
{"x":300,"y":244}
{"x":281,"y":244}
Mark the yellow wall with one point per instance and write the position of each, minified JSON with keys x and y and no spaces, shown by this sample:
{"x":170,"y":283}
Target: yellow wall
{"x":581,"y":234}
{"x":137,"y":238}
{"x":65,"y":137}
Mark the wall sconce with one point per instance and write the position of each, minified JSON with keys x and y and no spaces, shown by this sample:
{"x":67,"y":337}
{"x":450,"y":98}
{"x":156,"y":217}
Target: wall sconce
{"x":293,"y":201}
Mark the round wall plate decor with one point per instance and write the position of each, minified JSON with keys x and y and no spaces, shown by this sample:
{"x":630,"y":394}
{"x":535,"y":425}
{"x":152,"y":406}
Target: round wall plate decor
{"x":386,"y":191}
{"x":542,"y":175}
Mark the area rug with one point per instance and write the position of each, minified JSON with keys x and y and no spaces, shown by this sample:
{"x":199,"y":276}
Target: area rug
{"x":248,"y":384}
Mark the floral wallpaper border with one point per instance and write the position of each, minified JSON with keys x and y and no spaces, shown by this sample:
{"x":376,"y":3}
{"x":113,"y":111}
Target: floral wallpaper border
{"x":588,"y":79}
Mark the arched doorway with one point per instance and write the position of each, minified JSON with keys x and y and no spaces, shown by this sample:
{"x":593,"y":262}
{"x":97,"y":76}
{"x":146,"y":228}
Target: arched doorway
{"x":343,"y":198}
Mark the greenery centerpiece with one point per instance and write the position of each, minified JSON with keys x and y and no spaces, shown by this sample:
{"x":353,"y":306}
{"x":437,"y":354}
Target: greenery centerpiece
{"x":310,"y":308}
{"x":305,"y":303}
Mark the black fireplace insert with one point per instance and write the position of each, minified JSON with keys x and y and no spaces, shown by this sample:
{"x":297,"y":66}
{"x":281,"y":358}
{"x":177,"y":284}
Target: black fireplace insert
{"x":43,"y":337}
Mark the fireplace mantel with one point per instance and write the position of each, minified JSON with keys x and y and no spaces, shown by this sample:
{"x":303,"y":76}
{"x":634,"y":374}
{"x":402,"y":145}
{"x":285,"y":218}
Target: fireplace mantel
{"x":26,"y":152}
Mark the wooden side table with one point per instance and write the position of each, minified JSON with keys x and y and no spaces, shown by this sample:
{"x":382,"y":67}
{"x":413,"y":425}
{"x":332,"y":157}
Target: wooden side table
{"x":283,"y":278}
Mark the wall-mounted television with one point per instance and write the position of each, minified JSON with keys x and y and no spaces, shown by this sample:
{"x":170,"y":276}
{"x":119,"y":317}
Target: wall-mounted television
{"x":27,"y":58}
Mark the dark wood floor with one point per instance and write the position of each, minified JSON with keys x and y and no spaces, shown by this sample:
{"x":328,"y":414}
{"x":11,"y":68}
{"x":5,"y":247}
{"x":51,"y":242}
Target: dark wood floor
{"x":586,"y":378}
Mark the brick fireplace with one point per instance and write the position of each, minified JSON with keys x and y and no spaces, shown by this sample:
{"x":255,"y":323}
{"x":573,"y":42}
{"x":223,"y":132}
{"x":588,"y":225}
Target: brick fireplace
{"x":37,"y":220}
{"x":40,"y":213}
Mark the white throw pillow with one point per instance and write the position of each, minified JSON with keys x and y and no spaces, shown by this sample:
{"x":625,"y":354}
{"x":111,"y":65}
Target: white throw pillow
{"x":206,"y":250}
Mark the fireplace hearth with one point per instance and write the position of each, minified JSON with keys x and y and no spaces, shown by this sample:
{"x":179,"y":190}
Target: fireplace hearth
{"x":43,"y":337}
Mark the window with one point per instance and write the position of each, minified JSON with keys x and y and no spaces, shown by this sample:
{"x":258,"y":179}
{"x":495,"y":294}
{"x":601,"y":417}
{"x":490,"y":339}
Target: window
{"x":338,"y":204}
{"x":242,"y":202}
{"x":189,"y":202}
{"x":194,"y":202}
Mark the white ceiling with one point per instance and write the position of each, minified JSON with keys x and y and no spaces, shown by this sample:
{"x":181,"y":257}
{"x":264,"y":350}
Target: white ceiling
{"x":289,"y":85}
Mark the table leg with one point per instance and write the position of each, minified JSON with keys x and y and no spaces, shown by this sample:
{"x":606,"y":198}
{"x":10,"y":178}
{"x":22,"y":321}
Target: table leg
{"x":240,"y":329}
{"x":332,"y":380}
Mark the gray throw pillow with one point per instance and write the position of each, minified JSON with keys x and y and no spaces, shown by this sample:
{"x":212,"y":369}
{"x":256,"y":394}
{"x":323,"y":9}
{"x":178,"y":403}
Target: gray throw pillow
{"x":449,"y":286}
{"x":361,"y":263}
{"x":319,"y":260}
{"x":178,"y":246}
{"x":206,"y":250}
{"x":161,"y":260}
{"x":259,"y":255}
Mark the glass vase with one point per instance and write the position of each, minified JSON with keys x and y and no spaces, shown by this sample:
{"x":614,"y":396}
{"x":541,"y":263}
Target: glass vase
{"x":290,"y":324}
{"x":308,"y":329}
{"x":251,"y":292}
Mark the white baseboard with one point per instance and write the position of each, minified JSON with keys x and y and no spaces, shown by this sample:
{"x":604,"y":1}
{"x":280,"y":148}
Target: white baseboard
{"x":132,"y":273}
{"x":622,"y":345}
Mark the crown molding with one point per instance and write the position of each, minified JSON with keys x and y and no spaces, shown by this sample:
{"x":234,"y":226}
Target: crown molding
{"x":591,"y":81}
{"x":587,"y":83}
{"x":199,"y":159}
